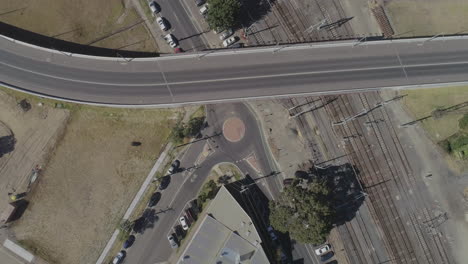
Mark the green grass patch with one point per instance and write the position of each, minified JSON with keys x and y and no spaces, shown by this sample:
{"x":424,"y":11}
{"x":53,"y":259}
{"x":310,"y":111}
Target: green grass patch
{"x":145,"y":6}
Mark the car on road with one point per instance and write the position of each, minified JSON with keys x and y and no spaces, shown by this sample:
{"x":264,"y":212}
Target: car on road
{"x":183,"y":223}
{"x":272,"y":233}
{"x":162,"y":23}
{"x":226,"y":34}
{"x":172,"y":241}
{"x":200,"y":2}
{"x":154,"y":199}
{"x":129,"y":242}
{"x":154,"y":7}
{"x":164,"y":182}
{"x":322,"y":250}
{"x":174,"y":167}
{"x":119,"y":258}
{"x":327,"y":256}
{"x":171,"y":40}
{"x":228,"y":42}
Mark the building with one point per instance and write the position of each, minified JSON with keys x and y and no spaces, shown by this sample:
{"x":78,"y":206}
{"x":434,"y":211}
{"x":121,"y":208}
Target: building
{"x":226,"y":234}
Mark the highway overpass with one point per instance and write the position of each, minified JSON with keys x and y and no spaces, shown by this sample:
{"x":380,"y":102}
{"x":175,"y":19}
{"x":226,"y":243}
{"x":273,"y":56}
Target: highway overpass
{"x":317,"y":68}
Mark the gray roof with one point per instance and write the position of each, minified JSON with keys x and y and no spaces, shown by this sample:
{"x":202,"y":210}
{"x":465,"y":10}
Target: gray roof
{"x":226,"y":235}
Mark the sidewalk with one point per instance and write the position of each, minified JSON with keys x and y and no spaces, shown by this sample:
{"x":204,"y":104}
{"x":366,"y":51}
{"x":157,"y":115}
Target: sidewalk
{"x":135,"y":201}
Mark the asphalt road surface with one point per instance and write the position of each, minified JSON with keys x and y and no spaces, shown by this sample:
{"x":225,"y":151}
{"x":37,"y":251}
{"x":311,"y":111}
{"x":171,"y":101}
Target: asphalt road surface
{"x":183,"y":25}
{"x":247,"y":73}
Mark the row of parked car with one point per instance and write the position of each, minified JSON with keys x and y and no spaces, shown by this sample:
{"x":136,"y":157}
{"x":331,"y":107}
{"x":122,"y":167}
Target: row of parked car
{"x":154,"y":200}
{"x":163,"y":25}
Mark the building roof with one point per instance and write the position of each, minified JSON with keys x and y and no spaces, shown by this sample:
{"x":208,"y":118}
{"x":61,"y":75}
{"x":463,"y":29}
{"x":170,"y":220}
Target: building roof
{"x":226,"y":235}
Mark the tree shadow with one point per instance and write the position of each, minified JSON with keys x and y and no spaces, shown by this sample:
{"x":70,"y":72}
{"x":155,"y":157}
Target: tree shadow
{"x":7,"y":144}
{"x":347,"y":194}
{"x":252,"y":11}
{"x":146,"y":221}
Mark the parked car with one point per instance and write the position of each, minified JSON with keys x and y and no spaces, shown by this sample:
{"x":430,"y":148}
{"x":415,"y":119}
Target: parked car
{"x":178,"y":50}
{"x":226,"y":34}
{"x":327,"y":256}
{"x":164,"y":182}
{"x":332,"y":262}
{"x":162,"y":23}
{"x":301,"y":175}
{"x":171,"y":40}
{"x":323,"y":249}
{"x":154,"y":199}
{"x":154,"y":7}
{"x":174,"y":167}
{"x":172,"y":241}
{"x":200,"y":2}
{"x":183,"y":223}
{"x":129,"y":242}
{"x":228,"y":42}
{"x":288,"y":181}
{"x":236,"y":45}
{"x":204,"y":10}
{"x":120,"y":257}
{"x":272,"y":233}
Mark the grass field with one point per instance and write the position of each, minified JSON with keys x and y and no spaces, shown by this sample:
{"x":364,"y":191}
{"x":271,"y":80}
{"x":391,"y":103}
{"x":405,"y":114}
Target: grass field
{"x":91,"y":177}
{"x":80,"y":21}
{"x":427,"y":17}
{"x":423,"y":102}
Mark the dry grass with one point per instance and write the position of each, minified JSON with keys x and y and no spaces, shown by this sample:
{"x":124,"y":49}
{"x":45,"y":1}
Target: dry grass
{"x":81,"y":21}
{"x":422,"y":102}
{"x":90,"y":180}
{"x":427,"y":17}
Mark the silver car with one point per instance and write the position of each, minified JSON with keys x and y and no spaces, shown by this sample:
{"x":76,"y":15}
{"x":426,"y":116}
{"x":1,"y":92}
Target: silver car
{"x":228,"y":42}
{"x":226,"y":34}
{"x":161,"y":23}
{"x":172,"y":241}
{"x":154,"y":7}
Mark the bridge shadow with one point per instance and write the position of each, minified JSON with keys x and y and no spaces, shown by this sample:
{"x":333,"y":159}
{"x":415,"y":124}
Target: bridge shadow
{"x":66,"y":46}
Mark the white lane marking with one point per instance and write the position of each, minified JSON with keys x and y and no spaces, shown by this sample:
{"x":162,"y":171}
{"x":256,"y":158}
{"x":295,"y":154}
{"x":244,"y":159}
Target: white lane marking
{"x":239,"y":78}
{"x":165,"y":80}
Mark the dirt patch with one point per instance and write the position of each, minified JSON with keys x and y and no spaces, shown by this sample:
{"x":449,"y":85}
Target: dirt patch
{"x":424,"y":18}
{"x":81,"y":21}
{"x":26,"y":137}
{"x":93,"y":174}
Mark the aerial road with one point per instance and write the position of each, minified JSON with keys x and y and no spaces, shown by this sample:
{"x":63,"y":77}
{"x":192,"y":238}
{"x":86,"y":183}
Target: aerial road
{"x":234,"y":74}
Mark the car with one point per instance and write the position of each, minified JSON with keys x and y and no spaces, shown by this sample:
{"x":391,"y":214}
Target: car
{"x":129,"y":242}
{"x":322,"y":250}
{"x":183,"y":223}
{"x":154,"y":7}
{"x":162,"y":23}
{"x":236,"y":45}
{"x":119,"y":258}
{"x":226,"y":34}
{"x":174,"y":167}
{"x":171,"y":40}
{"x":332,"y":262}
{"x":228,"y":42}
{"x":272,"y":233}
{"x":327,"y":256}
{"x":288,"y":181}
{"x":200,"y":2}
{"x":154,"y":199}
{"x":178,"y":50}
{"x":204,"y":10}
{"x":164,"y":182}
{"x":172,"y":241}
{"x":301,"y":175}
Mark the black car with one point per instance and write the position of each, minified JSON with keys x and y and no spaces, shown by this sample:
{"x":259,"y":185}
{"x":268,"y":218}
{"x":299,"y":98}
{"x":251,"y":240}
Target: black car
{"x":129,"y":242}
{"x":200,"y":2}
{"x":332,"y":262}
{"x":164,"y":182}
{"x":154,"y":199}
{"x":327,"y":256}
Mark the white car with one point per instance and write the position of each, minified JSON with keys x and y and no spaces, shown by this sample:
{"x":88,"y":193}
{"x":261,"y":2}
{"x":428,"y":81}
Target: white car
{"x":204,"y":10}
{"x":229,"y":41}
{"x":322,"y":250}
{"x":183,"y":223}
{"x":226,"y":34}
{"x":172,"y":241}
{"x":171,"y":40}
{"x":161,"y":23}
{"x":119,"y":258}
{"x":154,"y":7}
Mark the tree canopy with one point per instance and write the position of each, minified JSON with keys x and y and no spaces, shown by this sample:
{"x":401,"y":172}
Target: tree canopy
{"x":223,"y":14}
{"x":306,"y":213}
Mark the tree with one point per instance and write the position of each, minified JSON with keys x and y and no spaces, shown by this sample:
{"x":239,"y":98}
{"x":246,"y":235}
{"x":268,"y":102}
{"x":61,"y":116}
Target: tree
{"x":306,"y":213}
{"x":193,"y":127}
{"x":223,"y":14}
{"x":178,"y":133}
